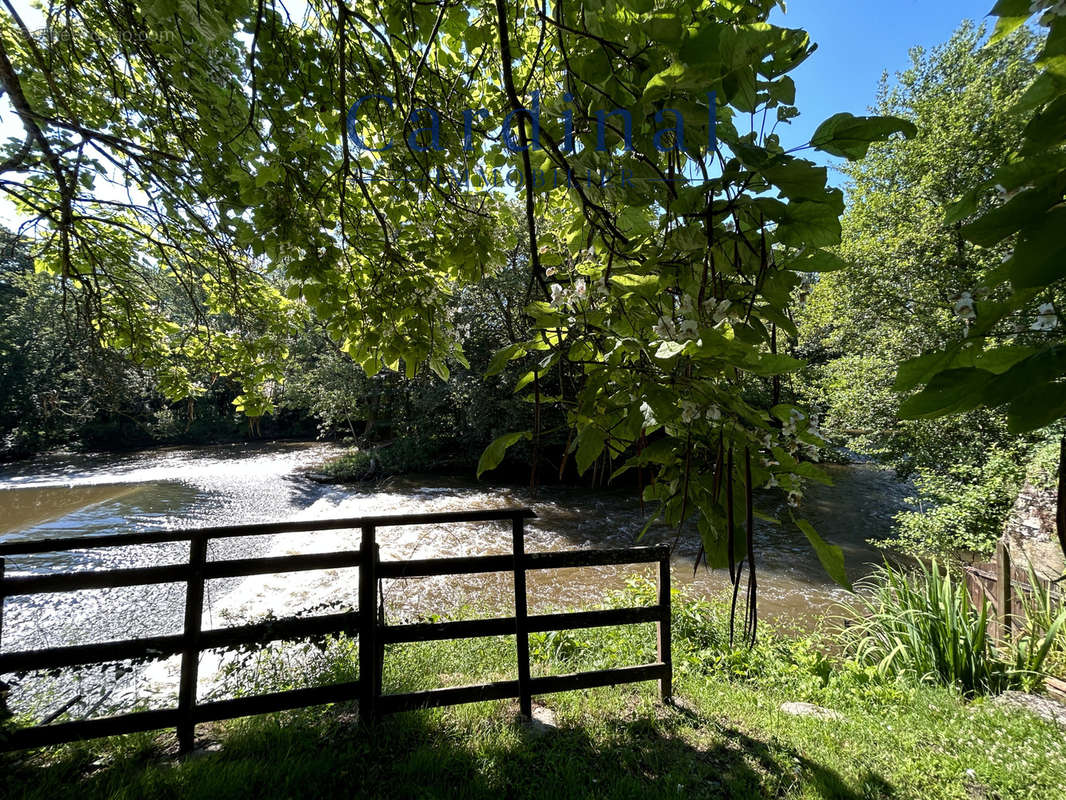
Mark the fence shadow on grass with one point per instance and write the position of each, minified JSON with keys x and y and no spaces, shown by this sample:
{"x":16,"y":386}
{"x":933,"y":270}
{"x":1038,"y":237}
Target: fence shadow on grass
{"x":477,"y":752}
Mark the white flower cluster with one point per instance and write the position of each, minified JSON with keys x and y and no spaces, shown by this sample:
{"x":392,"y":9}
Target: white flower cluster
{"x":561,"y":297}
{"x":794,"y":446}
{"x":718,"y":309}
{"x":688,"y":330}
{"x":665,"y":329}
{"x":1046,"y":320}
{"x":795,"y":416}
{"x":1005,"y":194}
{"x":649,"y":415}
{"x":690,"y":412}
{"x":964,"y":307}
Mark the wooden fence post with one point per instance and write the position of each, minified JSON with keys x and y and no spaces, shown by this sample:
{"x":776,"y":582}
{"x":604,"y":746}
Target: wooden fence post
{"x":666,"y":689}
{"x":190,"y":656}
{"x":1004,"y":590}
{"x":369,"y":680}
{"x":3,"y":686}
{"x":525,"y":699}
{"x":379,"y":622}
{"x":3,"y":566}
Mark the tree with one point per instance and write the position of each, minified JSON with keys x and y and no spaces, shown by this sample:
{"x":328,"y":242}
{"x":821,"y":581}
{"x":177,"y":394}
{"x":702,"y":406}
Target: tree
{"x":903,"y":264}
{"x":326,"y":149}
{"x":1011,"y":357}
{"x":905,"y":269}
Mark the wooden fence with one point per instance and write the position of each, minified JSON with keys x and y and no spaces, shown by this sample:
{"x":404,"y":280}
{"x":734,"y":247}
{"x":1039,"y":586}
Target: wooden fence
{"x":365,"y":622}
{"x":1004,"y":585}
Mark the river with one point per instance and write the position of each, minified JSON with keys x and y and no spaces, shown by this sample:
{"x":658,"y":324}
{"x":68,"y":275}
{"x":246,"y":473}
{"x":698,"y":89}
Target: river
{"x":81,"y":496}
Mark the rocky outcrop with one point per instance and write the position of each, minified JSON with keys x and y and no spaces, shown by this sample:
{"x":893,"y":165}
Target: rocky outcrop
{"x":1030,"y":532}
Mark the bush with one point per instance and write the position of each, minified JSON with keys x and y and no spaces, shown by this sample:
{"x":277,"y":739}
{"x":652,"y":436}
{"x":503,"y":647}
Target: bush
{"x":922,"y":626}
{"x":960,"y":510}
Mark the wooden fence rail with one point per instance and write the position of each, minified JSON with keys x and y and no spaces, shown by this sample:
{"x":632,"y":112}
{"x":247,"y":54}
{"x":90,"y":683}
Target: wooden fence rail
{"x":366,"y":622}
{"x":1003,"y":585}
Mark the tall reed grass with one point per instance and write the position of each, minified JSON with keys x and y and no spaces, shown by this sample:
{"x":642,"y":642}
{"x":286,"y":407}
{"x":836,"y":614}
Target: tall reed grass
{"x":920,"y":624}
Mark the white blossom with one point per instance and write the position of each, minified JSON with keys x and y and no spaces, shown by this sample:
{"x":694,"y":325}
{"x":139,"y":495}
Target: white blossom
{"x":557,"y":294}
{"x":1047,"y":319}
{"x":795,"y":417}
{"x":690,"y":329}
{"x":665,"y":329}
{"x":649,"y":415}
{"x":688,"y":411}
{"x":718,"y":309}
{"x":964,"y":307}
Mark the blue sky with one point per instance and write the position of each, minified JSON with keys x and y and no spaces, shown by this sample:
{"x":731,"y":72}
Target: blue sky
{"x":857,"y":41}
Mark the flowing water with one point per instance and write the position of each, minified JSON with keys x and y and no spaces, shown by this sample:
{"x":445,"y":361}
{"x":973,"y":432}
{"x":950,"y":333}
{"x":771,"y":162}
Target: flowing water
{"x":77,"y":497}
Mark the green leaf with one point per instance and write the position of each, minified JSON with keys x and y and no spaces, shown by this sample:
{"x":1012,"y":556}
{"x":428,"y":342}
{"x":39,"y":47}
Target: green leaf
{"x":633,"y":221}
{"x":818,"y":261}
{"x":503,"y":357}
{"x":1037,"y":408}
{"x":440,"y":369}
{"x":850,"y":136}
{"x":1046,"y":129}
{"x":589,"y":446}
{"x":1040,"y":257}
{"x":812,"y":224}
{"x":916,"y":371}
{"x":831,"y":556}
{"x":806,"y":469}
{"x":665,"y":27}
{"x":1012,"y":216}
{"x":798,"y":179}
{"x":1045,"y":367}
{"x":1012,"y":15}
{"x":1003,"y":358}
{"x":768,"y":364}
{"x":948,"y":392}
{"x":494,"y":453}
{"x":670,"y":350}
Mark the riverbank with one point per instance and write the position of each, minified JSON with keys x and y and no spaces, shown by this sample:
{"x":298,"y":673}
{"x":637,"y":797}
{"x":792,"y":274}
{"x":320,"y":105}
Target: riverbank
{"x":726,"y":736}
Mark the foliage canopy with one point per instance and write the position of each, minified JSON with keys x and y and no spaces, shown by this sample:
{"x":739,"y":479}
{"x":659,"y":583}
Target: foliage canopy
{"x":210,"y":143}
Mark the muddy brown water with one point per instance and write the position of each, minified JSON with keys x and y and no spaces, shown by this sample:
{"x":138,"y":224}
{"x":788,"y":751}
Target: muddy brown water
{"x":77,"y":496}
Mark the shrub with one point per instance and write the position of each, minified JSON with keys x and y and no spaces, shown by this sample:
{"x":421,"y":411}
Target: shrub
{"x":921,"y":625}
{"x":960,"y":510}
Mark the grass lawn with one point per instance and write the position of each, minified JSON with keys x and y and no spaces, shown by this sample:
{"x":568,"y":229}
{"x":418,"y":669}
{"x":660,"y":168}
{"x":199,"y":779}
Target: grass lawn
{"x":726,"y":736}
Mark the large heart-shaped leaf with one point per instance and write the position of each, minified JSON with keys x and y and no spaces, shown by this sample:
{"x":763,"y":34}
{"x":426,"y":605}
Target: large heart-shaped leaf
{"x":850,"y":136}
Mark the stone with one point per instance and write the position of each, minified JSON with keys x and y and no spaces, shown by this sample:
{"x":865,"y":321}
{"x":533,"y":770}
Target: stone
{"x":810,"y":710}
{"x":543,"y":721}
{"x":1044,"y":707}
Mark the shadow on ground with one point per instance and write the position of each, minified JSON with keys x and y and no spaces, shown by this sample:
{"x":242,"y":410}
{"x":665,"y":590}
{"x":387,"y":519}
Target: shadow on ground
{"x":668,"y":753}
